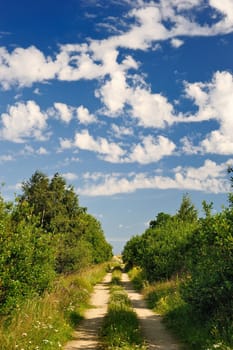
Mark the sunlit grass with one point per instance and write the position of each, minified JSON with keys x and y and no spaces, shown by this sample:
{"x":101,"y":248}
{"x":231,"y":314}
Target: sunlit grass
{"x":192,"y":329}
{"x":121,"y":328}
{"x":47,"y":322}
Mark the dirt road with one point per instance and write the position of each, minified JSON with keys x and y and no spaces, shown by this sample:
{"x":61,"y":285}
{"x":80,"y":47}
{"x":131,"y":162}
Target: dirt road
{"x":86,"y":336}
{"x":154,"y":331}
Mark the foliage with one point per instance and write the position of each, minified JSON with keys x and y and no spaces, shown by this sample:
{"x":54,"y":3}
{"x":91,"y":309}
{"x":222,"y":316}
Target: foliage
{"x":44,"y":232}
{"x":27,"y":262}
{"x":133,"y":252}
{"x":187,"y":211}
{"x":200,"y":253}
{"x":160,"y":250}
{"x":210,"y":284}
{"x":79,"y":236}
{"x":47,"y":322}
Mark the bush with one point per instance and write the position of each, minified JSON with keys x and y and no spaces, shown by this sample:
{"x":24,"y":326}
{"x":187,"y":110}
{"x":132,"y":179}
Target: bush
{"x":209,"y":287}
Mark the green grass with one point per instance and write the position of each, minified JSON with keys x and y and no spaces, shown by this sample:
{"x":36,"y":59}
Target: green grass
{"x":120,"y":329}
{"x":192,"y":329}
{"x":48,"y":322}
{"x":138,"y":278}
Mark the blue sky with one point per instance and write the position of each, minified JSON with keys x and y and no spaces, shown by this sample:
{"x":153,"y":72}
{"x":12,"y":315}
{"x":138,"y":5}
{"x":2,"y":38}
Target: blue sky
{"x":131,"y":101}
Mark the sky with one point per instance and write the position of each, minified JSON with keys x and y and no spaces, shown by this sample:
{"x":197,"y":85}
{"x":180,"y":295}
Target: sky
{"x":131,"y":101}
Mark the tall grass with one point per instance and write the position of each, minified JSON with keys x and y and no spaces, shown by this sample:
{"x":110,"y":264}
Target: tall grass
{"x":120,"y":329}
{"x":192,"y":329}
{"x":47,"y":322}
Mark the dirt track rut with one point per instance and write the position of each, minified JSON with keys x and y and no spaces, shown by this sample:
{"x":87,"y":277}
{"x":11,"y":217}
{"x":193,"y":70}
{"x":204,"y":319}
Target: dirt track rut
{"x":86,"y":335}
{"x":154,"y":331}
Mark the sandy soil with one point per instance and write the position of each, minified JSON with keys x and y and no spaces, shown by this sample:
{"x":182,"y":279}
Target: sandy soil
{"x":154,"y":331}
{"x":86,"y":335}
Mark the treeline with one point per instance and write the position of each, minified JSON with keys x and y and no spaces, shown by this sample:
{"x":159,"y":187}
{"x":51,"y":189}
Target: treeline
{"x":43,"y":233}
{"x":198,"y":252}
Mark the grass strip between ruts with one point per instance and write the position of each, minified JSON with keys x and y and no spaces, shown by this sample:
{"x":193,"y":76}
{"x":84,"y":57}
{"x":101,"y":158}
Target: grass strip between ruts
{"x":120,"y":328}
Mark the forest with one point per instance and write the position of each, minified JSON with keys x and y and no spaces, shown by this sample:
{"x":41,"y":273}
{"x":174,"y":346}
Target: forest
{"x":45,"y":233}
{"x":192,"y":259}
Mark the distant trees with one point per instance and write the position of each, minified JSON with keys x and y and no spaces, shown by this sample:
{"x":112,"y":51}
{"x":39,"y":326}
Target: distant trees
{"x":43,"y":233}
{"x":198,"y":250}
{"x":160,"y":249}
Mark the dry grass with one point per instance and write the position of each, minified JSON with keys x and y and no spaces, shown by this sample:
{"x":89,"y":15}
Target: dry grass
{"x":46,"y":322}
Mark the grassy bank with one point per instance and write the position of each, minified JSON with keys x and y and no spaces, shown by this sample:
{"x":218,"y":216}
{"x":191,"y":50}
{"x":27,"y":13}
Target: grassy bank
{"x":120,"y":329}
{"x":47,"y":322}
{"x":192,"y":329}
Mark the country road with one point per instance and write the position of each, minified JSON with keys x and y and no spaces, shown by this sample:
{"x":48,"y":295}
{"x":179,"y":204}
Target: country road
{"x":86,"y":336}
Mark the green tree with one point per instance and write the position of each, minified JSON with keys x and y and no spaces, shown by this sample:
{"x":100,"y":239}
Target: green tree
{"x":161,"y":219}
{"x":27,"y":258}
{"x":187,"y":211}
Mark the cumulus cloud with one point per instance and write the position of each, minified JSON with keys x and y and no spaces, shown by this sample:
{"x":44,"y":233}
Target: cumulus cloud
{"x":151,"y":110}
{"x":148,"y":151}
{"x":176,"y":42}
{"x":108,"y":151}
{"x":224,"y":7}
{"x":63,"y":111}
{"x":23,"y":121}
{"x":42,"y":151}
{"x":65,"y":144}
{"x":210,"y":177}
{"x":84,"y":116}
{"x":23,"y":67}
{"x":151,"y":150}
{"x":113,"y":93}
{"x":98,"y":58}
{"x":214,"y":101}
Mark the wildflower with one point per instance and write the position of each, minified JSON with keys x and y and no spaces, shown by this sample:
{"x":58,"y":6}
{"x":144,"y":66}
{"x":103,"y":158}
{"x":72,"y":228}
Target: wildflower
{"x":24,"y":334}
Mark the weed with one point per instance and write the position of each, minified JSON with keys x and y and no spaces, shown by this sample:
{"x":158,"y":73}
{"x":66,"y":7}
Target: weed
{"x":121,"y":329}
{"x":47,"y":322}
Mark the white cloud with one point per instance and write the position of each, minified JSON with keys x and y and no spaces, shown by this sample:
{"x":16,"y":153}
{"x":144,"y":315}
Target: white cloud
{"x":84,"y":116}
{"x":151,"y":110}
{"x":214,"y":101}
{"x":65,"y":144}
{"x":98,"y":58}
{"x":23,"y":67}
{"x":114,"y":93}
{"x":29,"y":151}
{"x":6,"y":158}
{"x":42,"y":151}
{"x":37,"y":91}
{"x":23,"y":121}
{"x":120,"y":131}
{"x":225,"y":7}
{"x":63,"y":111}
{"x":70,"y":176}
{"x":210,"y":177}
{"x":151,"y":150}
{"x":218,"y":142}
{"x":183,"y":4}
{"x":176,"y":43}
{"x":108,"y":151}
